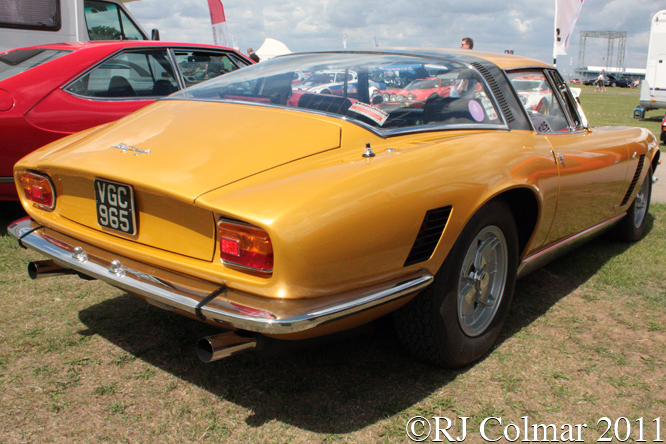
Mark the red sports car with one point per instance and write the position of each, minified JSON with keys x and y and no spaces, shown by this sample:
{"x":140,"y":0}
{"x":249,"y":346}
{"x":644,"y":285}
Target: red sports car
{"x":50,"y":91}
{"x":419,"y":90}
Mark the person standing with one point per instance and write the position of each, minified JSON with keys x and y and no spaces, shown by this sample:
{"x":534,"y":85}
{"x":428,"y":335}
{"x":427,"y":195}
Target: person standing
{"x":251,"y":54}
{"x":601,"y":81}
{"x":467,"y":43}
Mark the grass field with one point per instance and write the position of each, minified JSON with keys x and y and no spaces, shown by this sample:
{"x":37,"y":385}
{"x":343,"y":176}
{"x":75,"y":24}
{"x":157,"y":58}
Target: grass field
{"x":81,"y":362}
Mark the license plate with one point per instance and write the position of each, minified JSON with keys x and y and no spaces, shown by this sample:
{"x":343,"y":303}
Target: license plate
{"x":115,"y":206}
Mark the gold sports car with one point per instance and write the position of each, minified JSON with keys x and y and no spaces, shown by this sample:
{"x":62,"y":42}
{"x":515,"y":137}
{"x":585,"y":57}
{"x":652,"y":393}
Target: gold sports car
{"x":283,"y":214}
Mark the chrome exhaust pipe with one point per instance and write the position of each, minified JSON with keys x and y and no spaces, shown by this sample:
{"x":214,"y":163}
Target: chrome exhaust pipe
{"x":212,"y":348}
{"x":48,"y":268}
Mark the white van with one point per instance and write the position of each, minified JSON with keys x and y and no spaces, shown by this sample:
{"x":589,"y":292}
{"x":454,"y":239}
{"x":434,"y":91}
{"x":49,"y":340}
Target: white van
{"x":36,"y":22}
{"x":653,"y":88}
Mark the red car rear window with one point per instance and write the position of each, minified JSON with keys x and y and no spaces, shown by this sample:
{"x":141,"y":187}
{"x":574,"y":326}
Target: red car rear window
{"x":21,"y":60}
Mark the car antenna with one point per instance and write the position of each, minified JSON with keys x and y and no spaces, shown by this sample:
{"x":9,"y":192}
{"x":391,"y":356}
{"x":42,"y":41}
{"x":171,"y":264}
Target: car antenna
{"x":368,"y":151}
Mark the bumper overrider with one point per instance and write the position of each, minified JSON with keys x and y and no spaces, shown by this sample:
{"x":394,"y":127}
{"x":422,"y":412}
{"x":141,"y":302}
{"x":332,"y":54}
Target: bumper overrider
{"x":208,"y":301}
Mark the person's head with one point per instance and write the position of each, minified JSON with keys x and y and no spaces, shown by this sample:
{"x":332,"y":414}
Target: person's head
{"x":250,"y":50}
{"x":467,"y":43}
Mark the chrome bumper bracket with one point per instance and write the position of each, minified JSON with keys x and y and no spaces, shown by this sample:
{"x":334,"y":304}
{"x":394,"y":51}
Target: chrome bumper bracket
{"x":207,"y":299}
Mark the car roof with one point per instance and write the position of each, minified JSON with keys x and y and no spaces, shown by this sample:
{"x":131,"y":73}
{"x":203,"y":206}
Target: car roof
{"x":503,"y":61}
{"x":114,"y":45}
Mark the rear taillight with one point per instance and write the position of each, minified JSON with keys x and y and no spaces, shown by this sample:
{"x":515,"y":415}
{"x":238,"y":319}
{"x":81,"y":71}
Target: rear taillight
{"x":245,"y":246}
{"x":38,"y":188}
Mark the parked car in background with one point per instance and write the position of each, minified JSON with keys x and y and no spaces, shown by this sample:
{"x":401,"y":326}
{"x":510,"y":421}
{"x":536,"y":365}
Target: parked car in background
{"x":419,"y":90}
{"x":621,"y":81}
{"x":280,"y":215}
{"x":50,"y":91}
{"x":534,"y":92}
{"x":575,"y":81}
{"x":320,"y":80}
{"x":611,"y":80}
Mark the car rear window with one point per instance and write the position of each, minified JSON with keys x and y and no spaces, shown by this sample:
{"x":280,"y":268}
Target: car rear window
{"x":388,"y":93}
{"x":21,"y":60}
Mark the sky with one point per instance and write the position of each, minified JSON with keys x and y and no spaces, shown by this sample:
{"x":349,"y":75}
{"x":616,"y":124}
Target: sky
{"x":524,"y":26}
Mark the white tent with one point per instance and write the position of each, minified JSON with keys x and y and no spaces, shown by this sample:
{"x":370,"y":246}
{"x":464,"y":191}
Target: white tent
{"x":272,"y":48}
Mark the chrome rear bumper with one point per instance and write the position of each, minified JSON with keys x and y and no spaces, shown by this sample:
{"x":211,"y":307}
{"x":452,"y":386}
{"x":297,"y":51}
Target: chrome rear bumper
{"x":209,"y":300}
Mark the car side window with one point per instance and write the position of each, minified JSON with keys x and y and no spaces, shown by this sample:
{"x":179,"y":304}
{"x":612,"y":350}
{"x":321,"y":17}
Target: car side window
{"x":198,"y":66}
{"x":537,"y":96}
{"x":129,"y":75}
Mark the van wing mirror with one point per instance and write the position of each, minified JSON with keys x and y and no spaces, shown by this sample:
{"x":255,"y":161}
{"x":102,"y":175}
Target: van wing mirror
{"x":155,"y":34}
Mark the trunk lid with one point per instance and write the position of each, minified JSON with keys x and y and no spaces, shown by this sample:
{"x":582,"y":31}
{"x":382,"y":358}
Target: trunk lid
{"x":189,"y":148}
{"x":171,"y":152}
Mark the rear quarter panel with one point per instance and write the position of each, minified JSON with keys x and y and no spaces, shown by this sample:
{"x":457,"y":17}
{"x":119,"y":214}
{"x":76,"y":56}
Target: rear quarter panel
{"x":63,"y":112}
{"x":346,"y":222}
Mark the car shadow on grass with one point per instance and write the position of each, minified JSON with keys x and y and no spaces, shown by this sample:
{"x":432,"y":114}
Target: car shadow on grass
{"x":9,"y":212}
{"x":335,"y":388}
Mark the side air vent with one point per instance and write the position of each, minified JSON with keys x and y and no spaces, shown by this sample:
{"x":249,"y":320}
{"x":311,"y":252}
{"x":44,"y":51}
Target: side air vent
{"x":497,"y":92}
{"x":429,"y":235}
{"x":634,"y":181}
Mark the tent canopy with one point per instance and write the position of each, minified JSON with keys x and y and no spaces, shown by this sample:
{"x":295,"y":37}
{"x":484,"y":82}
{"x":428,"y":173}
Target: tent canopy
{"x":272,"y":48}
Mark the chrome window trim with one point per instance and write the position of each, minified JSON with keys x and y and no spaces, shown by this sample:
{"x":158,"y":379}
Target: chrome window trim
{"x":174,"y":64}
{"x":546,"y":73}
{"x":558,"y":94}
{"x":169,"y":55}
{"x":101,"y":62}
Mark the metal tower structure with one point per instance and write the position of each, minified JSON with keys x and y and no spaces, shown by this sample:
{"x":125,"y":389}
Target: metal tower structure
{"x":614,"y":60}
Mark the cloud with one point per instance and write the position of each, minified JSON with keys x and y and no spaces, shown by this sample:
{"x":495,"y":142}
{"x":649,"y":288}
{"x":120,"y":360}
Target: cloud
{"x":522,"y":27}
{"x":526,"y":26}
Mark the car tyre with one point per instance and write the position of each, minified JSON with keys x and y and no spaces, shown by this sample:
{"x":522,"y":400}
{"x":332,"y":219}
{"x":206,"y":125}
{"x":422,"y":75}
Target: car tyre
{"x":457,"y":319}
{"x":632,"y":226}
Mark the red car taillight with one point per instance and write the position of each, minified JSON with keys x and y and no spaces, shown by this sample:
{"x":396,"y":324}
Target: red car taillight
{"x":38,"y":188}
{"x":663,"y":124}
{"x":245,"y":246}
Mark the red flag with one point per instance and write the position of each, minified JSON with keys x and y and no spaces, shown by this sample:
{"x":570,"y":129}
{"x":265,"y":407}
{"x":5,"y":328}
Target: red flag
{"x":219,"y":22}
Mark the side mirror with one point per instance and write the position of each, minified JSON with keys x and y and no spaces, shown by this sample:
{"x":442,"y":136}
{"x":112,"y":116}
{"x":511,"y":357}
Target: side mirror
{"x":155,"y":34}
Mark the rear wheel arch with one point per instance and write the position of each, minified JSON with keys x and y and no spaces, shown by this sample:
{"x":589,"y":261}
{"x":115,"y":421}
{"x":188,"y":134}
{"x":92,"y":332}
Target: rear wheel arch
{"x":655,"y":161}
{"x":457,"y":319}
{"x":524,"y":207}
